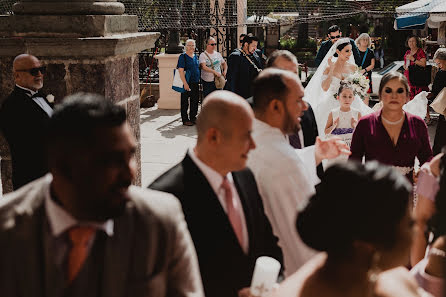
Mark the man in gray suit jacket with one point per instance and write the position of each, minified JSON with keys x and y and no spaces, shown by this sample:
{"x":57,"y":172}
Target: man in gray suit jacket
{"x":82,"y":230}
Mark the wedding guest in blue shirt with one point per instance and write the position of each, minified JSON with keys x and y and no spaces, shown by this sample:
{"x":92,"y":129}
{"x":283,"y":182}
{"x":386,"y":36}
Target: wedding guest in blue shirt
{"x":188,"y":66}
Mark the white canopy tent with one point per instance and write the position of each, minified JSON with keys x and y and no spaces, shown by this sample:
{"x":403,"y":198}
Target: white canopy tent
{"x":418,"y":13}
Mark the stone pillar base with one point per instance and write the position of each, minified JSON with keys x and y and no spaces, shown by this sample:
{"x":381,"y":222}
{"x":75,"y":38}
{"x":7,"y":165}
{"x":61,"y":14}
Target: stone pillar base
{"x":169,"y":99}
{"x":67,"y":25}
{"x":104,"y":65}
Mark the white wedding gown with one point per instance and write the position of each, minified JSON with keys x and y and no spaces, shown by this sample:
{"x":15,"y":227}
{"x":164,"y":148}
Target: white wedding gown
{"x":323,"y":102}
{"x":328,"y":103}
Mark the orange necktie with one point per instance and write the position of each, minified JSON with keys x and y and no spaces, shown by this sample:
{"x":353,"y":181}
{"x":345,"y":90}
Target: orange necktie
{"x":233,"y":211}
{"x":79,"y":237}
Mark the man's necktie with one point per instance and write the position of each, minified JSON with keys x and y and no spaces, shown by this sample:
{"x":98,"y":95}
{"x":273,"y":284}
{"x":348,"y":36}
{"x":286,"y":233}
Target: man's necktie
{"x":295,"y":141}
{"x":80,"y":237}
{"x":233,"y":211}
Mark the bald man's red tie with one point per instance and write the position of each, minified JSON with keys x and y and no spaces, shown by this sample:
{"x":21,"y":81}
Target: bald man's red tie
{"x":233,"y":211}
{"x":80,"y":238}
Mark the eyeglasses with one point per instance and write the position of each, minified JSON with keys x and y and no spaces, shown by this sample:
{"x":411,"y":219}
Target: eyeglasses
{"x":334,"y":37}
{"x":212,"y":44}
{"x":34,"y":71}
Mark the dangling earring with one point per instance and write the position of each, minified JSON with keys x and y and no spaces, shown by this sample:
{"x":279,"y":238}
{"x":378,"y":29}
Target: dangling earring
{"x":374,"y":269}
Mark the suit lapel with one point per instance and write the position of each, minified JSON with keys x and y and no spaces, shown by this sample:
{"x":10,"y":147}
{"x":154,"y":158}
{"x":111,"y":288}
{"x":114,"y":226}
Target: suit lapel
{"x":28,"y":101}
{"x":205,"y":199}
{"x":117,"y":255}
{"x":30,"y":255}
{"x":247,"y":209}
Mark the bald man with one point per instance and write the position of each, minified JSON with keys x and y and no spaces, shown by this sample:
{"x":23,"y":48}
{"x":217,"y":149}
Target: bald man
{"x":219,"y":196}
{"x":23,"y":119}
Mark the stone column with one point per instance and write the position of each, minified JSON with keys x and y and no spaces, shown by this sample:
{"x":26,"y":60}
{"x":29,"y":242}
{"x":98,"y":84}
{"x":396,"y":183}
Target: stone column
{"x":87,"y":46}
{"x":242,"y":15}
{"x":169,"y":99}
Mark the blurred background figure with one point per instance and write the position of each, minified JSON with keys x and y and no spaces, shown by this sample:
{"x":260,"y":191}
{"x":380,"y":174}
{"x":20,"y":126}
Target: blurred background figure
{"x":379,"y":54}
{"x":367,"y":57}
{"x":438,"y":85}
{"x":430,"y":272}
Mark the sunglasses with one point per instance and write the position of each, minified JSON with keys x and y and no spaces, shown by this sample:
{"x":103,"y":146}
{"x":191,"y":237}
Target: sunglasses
{"x":212,"y":44}
{"x":334,"y":37}
{"x":34,"y":71}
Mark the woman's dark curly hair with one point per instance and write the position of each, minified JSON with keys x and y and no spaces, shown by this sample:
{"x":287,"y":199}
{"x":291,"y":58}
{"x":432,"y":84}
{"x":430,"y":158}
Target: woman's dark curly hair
{"x":354,"y":202}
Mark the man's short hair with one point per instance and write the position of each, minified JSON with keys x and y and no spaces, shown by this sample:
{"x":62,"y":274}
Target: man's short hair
{"x":270,"y":85}
{"x":333,"y":28}
{"x":74,"y":120}
{"x":282,"y":54}
{"x":249,"y":39}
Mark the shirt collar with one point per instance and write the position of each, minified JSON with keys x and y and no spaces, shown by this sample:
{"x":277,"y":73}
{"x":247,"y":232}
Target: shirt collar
{"x":27,"y":90}
{"x":262,"y":127}
{"x":60,"y":220}
{"x":214,"y":178}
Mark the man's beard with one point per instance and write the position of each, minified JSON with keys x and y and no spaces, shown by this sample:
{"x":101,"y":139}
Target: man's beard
{"x":290,"y":125}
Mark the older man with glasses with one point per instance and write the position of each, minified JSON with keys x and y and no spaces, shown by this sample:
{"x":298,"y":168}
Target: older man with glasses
{"x":212,"y":65}
{"x":23,"y":119}
{"x":334,"y":33}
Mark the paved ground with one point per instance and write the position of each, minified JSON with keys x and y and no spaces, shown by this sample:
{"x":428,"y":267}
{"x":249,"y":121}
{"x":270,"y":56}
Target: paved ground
{"x":164,"y":141}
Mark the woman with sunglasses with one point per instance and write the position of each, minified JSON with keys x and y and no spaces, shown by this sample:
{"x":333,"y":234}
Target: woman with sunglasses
{"x":391,"y":135}
{"x":212,"y":65}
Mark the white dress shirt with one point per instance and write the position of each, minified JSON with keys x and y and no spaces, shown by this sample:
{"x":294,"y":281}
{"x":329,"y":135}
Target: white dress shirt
{"x":39,"y":101}
{"x":286,"y":178}
{"x":215,"y":180}
{"x":60,"y":221}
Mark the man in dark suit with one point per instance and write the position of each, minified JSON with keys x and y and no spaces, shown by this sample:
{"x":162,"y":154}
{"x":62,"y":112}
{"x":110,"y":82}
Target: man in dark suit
{"x":83,"y":230}
{"x":244,"y":65}
{"x":306,"y":136}
{"x":219,"y":196}
{"x":334,"y":33}
{"x":23,"y":120}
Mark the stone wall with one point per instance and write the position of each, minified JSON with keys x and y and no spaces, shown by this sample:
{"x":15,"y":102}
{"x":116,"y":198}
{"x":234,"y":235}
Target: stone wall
{"x":117,"y":78}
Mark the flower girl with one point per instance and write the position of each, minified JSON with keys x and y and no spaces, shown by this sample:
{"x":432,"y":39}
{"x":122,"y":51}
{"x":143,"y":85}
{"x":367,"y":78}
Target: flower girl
{"x":343,"y":119}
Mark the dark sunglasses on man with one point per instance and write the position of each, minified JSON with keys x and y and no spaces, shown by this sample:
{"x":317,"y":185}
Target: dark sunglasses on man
{"x":34,"y":71}
{"x":334,"y":37}
{"x":212,"y":44}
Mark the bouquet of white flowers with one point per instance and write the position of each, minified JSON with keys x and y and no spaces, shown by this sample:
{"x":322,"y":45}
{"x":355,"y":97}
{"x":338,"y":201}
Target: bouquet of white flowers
{"x":359,"y":82}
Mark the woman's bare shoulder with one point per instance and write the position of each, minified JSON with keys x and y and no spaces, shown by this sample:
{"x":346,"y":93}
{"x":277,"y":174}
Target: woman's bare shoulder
{"x":351,"y":67}
{"x":398,"y":282}
{"x":294,"y":285}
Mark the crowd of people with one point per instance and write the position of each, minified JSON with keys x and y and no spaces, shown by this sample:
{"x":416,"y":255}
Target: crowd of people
{"x":312,"y":177}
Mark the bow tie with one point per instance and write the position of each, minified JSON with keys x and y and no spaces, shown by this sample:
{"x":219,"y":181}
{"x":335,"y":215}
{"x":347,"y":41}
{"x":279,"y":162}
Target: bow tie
{"x":37,"y":95}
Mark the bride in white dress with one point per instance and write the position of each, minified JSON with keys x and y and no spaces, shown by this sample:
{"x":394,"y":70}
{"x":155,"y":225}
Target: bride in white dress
{"x":337,"y":65}
{"x":324,"y":84}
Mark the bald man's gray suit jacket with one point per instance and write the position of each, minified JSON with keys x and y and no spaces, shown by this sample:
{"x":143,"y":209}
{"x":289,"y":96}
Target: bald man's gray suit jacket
{"x":149,"y":254}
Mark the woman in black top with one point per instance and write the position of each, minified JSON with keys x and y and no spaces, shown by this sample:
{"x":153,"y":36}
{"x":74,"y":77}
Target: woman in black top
{"x":367,"y":58}
{"x":437,"y":86}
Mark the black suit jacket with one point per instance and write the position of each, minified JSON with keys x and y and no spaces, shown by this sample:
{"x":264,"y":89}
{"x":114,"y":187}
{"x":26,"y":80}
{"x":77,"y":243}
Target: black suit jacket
{"x":325,"y":47}
{"x":241,"y":73}
{"x":224,"y":267}
{"x":24,"y":125}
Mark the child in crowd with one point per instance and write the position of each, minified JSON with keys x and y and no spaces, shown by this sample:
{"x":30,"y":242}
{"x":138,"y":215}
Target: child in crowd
{"x":343,"y":119}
